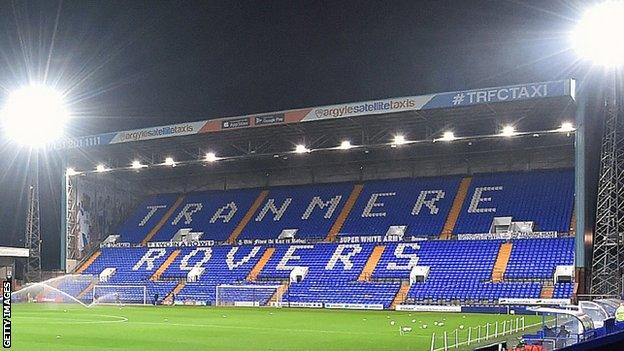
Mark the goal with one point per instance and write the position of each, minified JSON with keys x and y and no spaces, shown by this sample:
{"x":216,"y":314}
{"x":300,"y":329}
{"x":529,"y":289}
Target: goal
{"x":250,"y":295}
{"x":120,"y":294}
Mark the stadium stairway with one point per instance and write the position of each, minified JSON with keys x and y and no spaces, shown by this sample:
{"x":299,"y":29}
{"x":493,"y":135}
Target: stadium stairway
{"x":168,"y":300}
{"x":165,"y":265}
{"x":87,"y":290}
{"x":88,"y":262}
{"x":344,"y":214}
{"x":547,"y":291}
{"x":252,"y":210}
{"x":266,"y":256}
{"x":458,"y":202}
{"x":278,"y":293}
{"x":401,"y":295}
{"x":371,"y":263}
{"x":163,"y":220}
{"x":573,"y":222}
{"x":500,"y":266}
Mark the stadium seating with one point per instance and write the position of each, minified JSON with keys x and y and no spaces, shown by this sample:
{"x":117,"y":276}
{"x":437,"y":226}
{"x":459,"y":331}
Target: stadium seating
{"x":329,"y":279}
{"x":563,"y":290}
{"x":145,"y":217}
{"x":133,"y":264}
{"x":223,"y":265}
{"x":546,"y":198}
{"x":134,"y":267}
{"x":421,"y":204}
{"x":311,"y":209}
{"x":538,"y":258}
{"x":70,"y":288}
{"x":460,"y":270}
{"x":215,"y":213}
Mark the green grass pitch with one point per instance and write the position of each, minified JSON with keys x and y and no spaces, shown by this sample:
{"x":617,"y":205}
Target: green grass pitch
{"x":72,"y":327}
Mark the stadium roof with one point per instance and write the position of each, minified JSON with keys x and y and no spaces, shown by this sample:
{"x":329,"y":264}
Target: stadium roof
{"x":478,"y":112}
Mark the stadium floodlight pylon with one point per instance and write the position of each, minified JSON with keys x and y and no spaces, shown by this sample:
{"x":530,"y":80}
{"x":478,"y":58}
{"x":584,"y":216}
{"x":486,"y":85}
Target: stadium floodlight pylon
{"x":33,"y":228}
{"x":608,"y":258}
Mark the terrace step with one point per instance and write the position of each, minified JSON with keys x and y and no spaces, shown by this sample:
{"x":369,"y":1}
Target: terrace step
{"x":401,"y":295}
{"x":168,"y":300}
{"x":278,"y":293}
{"x":458,"y":202}
{"x":344,"y":214}
{"x":266,"y":256}
{"x":165,"y":265}
{"x":547,"y":292}
{"x":83,"y":267}
{"x":500,"y":266}
{"x":163,"y":220}
{"x":370,"y":265}
{"x":243,"y":223}
{"x":86,"y":290}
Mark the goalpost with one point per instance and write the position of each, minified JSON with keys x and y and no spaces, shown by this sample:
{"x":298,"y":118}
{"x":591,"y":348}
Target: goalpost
{"x":249,"y":295}
{"x":120,"y":294}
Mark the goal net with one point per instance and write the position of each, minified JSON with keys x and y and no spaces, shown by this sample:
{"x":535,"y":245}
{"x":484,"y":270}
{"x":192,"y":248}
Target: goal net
{"x":250,"y":295}
{"x":120,"y":294}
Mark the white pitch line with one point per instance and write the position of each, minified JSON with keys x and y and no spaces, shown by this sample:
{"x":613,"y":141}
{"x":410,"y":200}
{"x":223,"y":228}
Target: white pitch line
{"x":119,"y":319}
{"x":259,"y":328}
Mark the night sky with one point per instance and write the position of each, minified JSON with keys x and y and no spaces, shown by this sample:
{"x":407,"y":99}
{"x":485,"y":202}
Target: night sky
{"x":128,"y":64}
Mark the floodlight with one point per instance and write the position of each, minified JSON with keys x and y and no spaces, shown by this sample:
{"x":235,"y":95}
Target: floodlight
{"x":300,"y":149}
{"x":101,"y":168}
{"x":170,"y":162}
{"x":345,"y":145}
{"x":34,"y":115}
{"x":399,"y":140}
{"x":136,"y":164}
{"x":597,"y":36}
{"x":566,"y":127}
{"x":211,"y":157}
{"x":508,"y":131}
{"x":70,"y":172}
{"x":448,"y":136}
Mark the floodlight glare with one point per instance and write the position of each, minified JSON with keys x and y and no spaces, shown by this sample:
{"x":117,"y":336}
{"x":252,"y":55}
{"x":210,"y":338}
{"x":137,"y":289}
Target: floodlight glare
{"x":346,"y":145}
{"x":211,"y":157}
{"x":34,"y":115}
{"x":70,"y":171}
{"x":448,"y":136}
{"x":170,"y":162}
{"x":597,"y":36}
{"x":508,"y":131}
{"x":566,"y":127}
{"x":398,"y":140}
{"x":300,"y":149}
{"x":101,"y":168}
{"x":136,"y":164}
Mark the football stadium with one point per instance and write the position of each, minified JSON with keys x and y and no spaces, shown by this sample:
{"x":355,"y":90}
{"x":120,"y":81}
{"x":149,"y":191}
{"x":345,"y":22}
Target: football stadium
{"x":478,"y":219}
{"x":406,"y":223}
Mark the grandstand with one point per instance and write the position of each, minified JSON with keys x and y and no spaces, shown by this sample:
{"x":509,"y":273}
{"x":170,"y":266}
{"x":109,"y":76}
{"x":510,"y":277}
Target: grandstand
{"x":463,"y":271}
{"x":400,"y":219}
